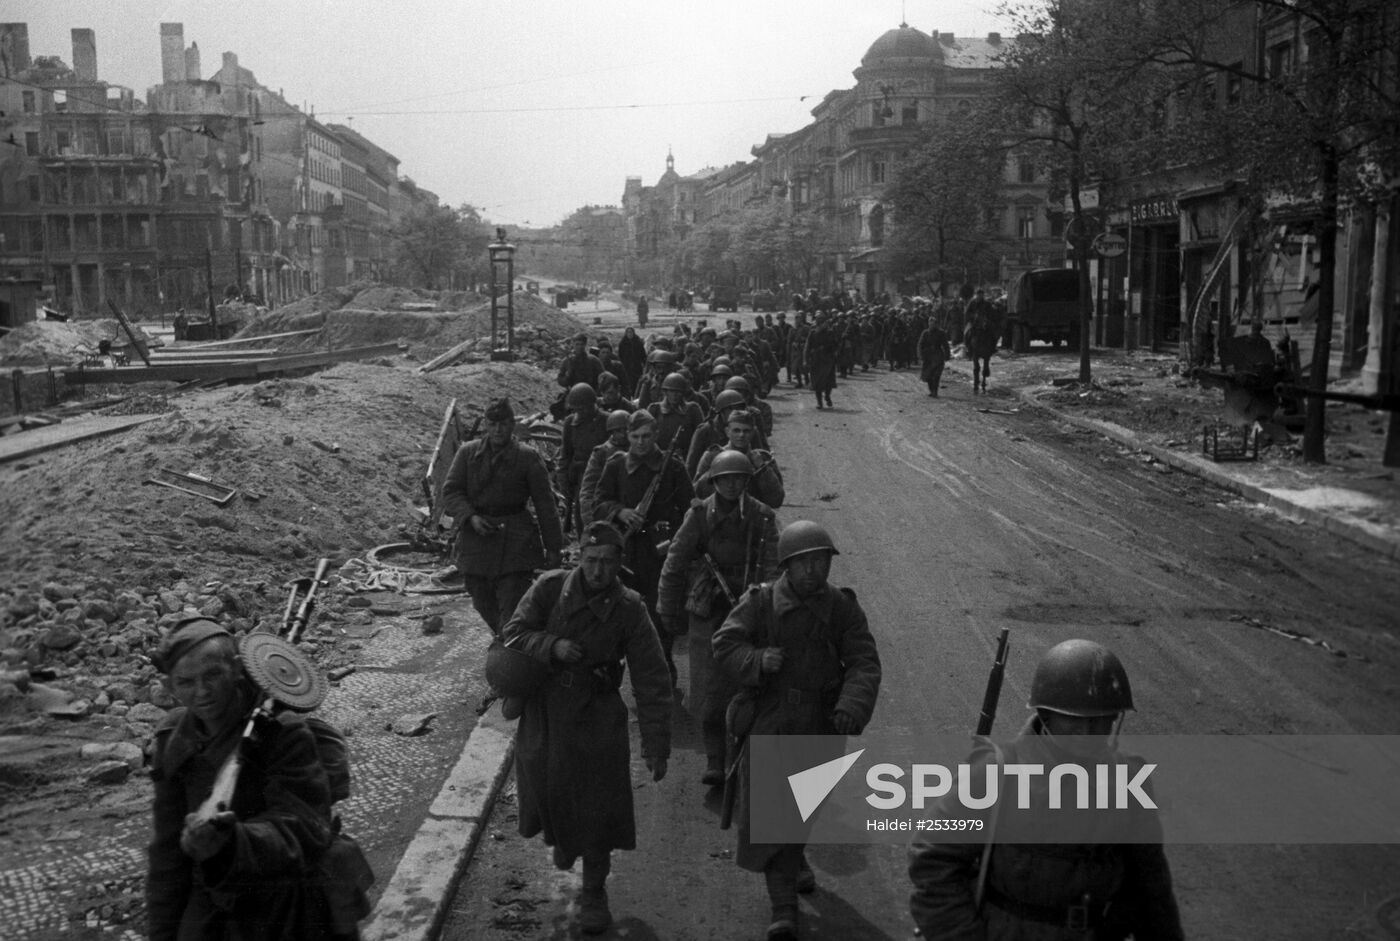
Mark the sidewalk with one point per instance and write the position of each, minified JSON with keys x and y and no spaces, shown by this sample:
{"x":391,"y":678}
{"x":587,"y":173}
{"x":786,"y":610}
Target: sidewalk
{"x":1139,"y":401}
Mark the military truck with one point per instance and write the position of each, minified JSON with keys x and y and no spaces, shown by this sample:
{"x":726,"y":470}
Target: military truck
{"x":1043,"y":304}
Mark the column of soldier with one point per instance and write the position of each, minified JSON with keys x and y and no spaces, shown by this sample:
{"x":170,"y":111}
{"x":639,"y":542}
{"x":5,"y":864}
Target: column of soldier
{"x":672,"y":495}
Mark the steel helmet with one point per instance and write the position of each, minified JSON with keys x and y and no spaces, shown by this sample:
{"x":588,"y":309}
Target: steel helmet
{"x":675,"y":382}
{"x":1081,"y":678}
{"x":661,"y":356}
{"x":722,"y":360}
{"x":721,"y":369}
{"x":729,"y":398}
{"x":801,"y":537}
{"x":729,"y":462}
{"x":513,"y":672}
{"x":617,"y":421}
{"x":581,"y":396}
{"x":738,"y":383}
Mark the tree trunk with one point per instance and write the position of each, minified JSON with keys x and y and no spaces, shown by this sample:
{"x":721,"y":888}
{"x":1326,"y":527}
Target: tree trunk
{"x":1315,"y":423}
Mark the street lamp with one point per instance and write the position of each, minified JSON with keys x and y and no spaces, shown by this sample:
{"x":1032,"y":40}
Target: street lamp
{"x":502,"y":273}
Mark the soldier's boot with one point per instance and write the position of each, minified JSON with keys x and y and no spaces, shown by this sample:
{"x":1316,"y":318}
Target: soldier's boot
{"x":806,"y":878}
{"x":594,"y":916}
{"x":714,"y":771}
{"x":782,"y":897}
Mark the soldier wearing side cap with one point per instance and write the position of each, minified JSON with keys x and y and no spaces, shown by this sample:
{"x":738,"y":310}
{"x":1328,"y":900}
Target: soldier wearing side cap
{"x":492,"y":481}
{"x":572,"y":749}
{"x":1003,"y":887}
{"x":249,"y":871}
{"x":580,"y":365}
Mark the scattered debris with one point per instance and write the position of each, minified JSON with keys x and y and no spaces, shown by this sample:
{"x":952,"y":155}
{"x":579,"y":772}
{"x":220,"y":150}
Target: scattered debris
{"x":412,"y":724}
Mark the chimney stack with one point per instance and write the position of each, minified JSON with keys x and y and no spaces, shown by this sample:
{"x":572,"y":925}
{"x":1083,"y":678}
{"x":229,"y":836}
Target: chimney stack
{"x":172,"y":52}
{"x":192,"y":62}
{"x":14,"y":48}
{"x":85,"y":55}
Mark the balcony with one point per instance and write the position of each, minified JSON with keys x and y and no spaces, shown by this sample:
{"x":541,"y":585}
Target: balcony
{"x":889,"y":134}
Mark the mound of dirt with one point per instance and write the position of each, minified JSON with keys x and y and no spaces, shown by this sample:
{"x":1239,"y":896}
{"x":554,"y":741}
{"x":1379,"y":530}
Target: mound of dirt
{"x":328,"y":465}
{"x":541,"y":335}
{"x":53,"y":343}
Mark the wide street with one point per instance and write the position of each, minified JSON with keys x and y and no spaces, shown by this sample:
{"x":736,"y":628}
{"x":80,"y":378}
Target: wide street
{"x":951,"y":523}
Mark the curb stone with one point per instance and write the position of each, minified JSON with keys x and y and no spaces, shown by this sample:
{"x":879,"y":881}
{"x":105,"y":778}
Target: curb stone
{"x":414,"y":904}
{"x":1353,"y":532}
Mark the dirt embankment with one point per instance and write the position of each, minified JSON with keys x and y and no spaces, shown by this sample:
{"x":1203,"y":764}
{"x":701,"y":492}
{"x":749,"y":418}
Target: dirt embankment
{"x":429,"y":322}
{"x":99,"y":562}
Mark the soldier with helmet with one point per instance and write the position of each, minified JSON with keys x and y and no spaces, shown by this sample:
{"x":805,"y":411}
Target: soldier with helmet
{"x":727,"y":542}
{"x":584,"y":429}
{"x":616,"y":425}
{"x":660,"y":364}
{"x":802,"y":652}
{"x":762,"y":411}
{"x":767,"y":482}
{"x":676,"y":416}
{"x":489,"y":485}
{"x":1003,"y":888}
{"x":712,"y":434}
{"x":623,"y":490}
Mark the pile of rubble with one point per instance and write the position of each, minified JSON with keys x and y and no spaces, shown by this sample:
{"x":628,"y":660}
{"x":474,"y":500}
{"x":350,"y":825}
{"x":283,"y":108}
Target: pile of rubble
{"x":429,"y":322}
{"x":329,"y":465}
{"x":56,"y":343}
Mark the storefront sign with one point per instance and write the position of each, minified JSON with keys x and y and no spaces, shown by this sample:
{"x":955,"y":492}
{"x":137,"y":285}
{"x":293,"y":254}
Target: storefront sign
{"x":1110,"y":244}
{"x":1157,"y":209}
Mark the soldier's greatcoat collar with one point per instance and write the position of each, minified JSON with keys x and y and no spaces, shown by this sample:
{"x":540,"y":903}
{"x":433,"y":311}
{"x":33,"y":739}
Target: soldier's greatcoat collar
{"x":786,"y":600}
{"x":652,"y":461}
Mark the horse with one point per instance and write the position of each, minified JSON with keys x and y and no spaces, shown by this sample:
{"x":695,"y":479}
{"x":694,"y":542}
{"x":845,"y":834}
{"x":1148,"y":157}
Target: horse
{"x":980,"y":340}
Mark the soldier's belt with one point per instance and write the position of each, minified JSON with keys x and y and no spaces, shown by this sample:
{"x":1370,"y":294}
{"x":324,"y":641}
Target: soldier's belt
{"x":1082,"y":917}
{"x":500,"y":510}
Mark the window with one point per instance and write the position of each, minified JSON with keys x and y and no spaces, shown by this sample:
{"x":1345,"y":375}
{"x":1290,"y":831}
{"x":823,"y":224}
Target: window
{"x":877,"y":168}
{"x":1208,"y":93}
{"x":878,"y":113}
{"x":31,"y":143}
{"x":1280,"y":59}
{"x":28,"y":102}
{"x":34,"y":195}
{"x":1234,"y":85}
{"x":1025,"y":169}
{"x":910,"y":113}
{"x":1025,"y":222}
{"x":62,"y":141}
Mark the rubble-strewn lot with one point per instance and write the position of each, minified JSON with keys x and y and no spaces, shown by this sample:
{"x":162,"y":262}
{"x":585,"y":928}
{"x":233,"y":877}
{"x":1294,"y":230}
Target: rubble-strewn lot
{"x":98,"y":563}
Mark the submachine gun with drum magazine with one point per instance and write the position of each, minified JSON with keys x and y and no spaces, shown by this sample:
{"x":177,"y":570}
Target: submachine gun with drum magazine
{"x":284,"y":677}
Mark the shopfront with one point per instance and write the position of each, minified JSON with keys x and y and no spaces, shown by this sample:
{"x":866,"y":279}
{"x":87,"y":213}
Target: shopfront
{"x":1154,"y":274}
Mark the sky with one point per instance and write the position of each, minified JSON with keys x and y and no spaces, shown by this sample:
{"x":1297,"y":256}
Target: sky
{"x":526,"y":109}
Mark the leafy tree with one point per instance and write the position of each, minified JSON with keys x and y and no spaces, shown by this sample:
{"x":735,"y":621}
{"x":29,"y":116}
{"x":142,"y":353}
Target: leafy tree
{"x":941,"y":194}
{"x":1316,"y":124}
{"x":433,"y":243}
{"x":1070,"y":94}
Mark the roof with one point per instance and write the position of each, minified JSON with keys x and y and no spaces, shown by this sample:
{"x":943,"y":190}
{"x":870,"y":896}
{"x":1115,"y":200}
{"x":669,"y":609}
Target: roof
{"x":906,"y":42}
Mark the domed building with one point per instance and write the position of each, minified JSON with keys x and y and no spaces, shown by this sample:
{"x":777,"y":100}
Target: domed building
{"x":841,"y":164}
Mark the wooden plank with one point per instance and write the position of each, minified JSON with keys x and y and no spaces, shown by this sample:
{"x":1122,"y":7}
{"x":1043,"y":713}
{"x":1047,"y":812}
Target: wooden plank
{"x":446,"y":359}
{"x":212,"y":344}
{"x":243,"y":369}
{"x":24,"y":444}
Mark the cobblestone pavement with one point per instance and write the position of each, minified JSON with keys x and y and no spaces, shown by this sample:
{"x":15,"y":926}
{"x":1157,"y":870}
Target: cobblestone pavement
{"x":76,"y":885}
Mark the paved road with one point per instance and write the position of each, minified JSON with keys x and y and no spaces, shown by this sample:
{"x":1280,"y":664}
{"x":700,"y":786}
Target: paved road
{"x":951,"y":523}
